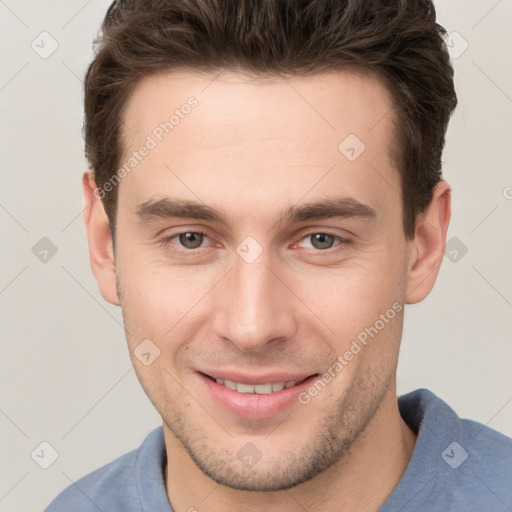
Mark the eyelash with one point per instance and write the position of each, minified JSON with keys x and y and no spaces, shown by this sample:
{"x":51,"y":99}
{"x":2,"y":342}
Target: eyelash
{"x":166,"y":242}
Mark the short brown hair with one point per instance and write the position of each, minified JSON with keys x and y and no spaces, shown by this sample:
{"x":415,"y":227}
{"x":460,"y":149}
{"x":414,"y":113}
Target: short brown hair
{"x":397,"y":40}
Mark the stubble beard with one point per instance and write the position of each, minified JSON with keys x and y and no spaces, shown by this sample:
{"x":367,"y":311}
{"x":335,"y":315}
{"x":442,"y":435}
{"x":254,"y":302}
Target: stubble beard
{"x":329,"y":442}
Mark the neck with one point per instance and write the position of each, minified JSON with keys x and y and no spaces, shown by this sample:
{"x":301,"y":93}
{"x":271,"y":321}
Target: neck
{"x":361,"y":480}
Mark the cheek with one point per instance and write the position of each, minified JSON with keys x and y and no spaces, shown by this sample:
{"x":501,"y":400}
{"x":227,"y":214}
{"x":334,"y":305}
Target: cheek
{"x":160,"y":301}
{"x":353,"y":296}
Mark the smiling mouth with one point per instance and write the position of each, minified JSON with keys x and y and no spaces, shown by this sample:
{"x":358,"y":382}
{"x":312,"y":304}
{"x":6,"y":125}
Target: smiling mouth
{"x":258,"y":389}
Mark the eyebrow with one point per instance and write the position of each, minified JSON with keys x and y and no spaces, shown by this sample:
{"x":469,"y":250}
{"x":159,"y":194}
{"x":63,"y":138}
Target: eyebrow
{"x":337,"y":207}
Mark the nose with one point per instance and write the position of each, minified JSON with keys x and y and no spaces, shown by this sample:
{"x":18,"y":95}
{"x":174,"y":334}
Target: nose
{"x":255,"y":308}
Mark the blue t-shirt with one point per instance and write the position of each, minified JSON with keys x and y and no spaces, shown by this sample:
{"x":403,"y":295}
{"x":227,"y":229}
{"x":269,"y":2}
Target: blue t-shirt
{"x":457,"y":465}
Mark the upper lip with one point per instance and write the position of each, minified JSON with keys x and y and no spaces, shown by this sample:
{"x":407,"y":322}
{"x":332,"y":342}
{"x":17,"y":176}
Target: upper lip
{"x":266,"y":378}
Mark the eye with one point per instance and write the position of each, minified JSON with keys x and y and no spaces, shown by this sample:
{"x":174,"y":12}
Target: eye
{"x":324,"y":241}
{"x":188,"y":240}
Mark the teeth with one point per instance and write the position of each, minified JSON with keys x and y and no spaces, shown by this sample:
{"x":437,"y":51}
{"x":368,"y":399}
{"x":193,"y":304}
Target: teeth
{"x":278,"y":387}
{"x":245,"y":388}
{"x":263,"y":389}
{"x":259,"y":389}
{"x":230,"y":384}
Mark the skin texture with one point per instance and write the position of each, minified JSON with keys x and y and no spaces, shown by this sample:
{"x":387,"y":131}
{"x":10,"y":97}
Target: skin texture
{"x":250,"y":149}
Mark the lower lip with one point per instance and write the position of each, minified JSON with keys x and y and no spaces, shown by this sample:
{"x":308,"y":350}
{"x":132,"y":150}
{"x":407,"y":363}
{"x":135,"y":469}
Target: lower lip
{"x":252,"y":405}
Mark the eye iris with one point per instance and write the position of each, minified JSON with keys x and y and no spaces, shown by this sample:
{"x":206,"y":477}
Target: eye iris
{"x":322,"y":241}
{"x":191,"y":240}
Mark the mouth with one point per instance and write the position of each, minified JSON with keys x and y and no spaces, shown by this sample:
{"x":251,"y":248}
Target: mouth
{"x":261,"y":397}
{"x":259,"y":389}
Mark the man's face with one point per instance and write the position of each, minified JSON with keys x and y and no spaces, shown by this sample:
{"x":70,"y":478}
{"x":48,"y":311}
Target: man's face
{"x":252,"y":294}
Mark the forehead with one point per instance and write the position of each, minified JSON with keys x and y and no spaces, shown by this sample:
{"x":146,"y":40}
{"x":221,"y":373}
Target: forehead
{"x":257,"y":130}
{"x":333,"y":101}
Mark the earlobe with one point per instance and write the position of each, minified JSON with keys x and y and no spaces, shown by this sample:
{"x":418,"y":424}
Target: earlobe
{"x":99,"y":237}
{"x":429,"y":243}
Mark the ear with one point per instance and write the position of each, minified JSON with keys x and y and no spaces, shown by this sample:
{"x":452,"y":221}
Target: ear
{"x":428,"y":245}
{"x":101,"y":250}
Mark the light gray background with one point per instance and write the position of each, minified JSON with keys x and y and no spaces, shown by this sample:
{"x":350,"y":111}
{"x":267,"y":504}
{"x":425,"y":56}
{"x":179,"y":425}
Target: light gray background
{"x":66,"y":377}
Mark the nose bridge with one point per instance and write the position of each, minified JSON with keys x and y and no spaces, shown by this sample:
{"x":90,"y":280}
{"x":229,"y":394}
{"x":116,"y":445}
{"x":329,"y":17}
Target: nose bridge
{"x":257,"y":310}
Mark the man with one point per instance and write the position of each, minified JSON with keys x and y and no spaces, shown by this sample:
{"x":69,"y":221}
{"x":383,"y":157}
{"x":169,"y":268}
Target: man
{"x":264,"y":197}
